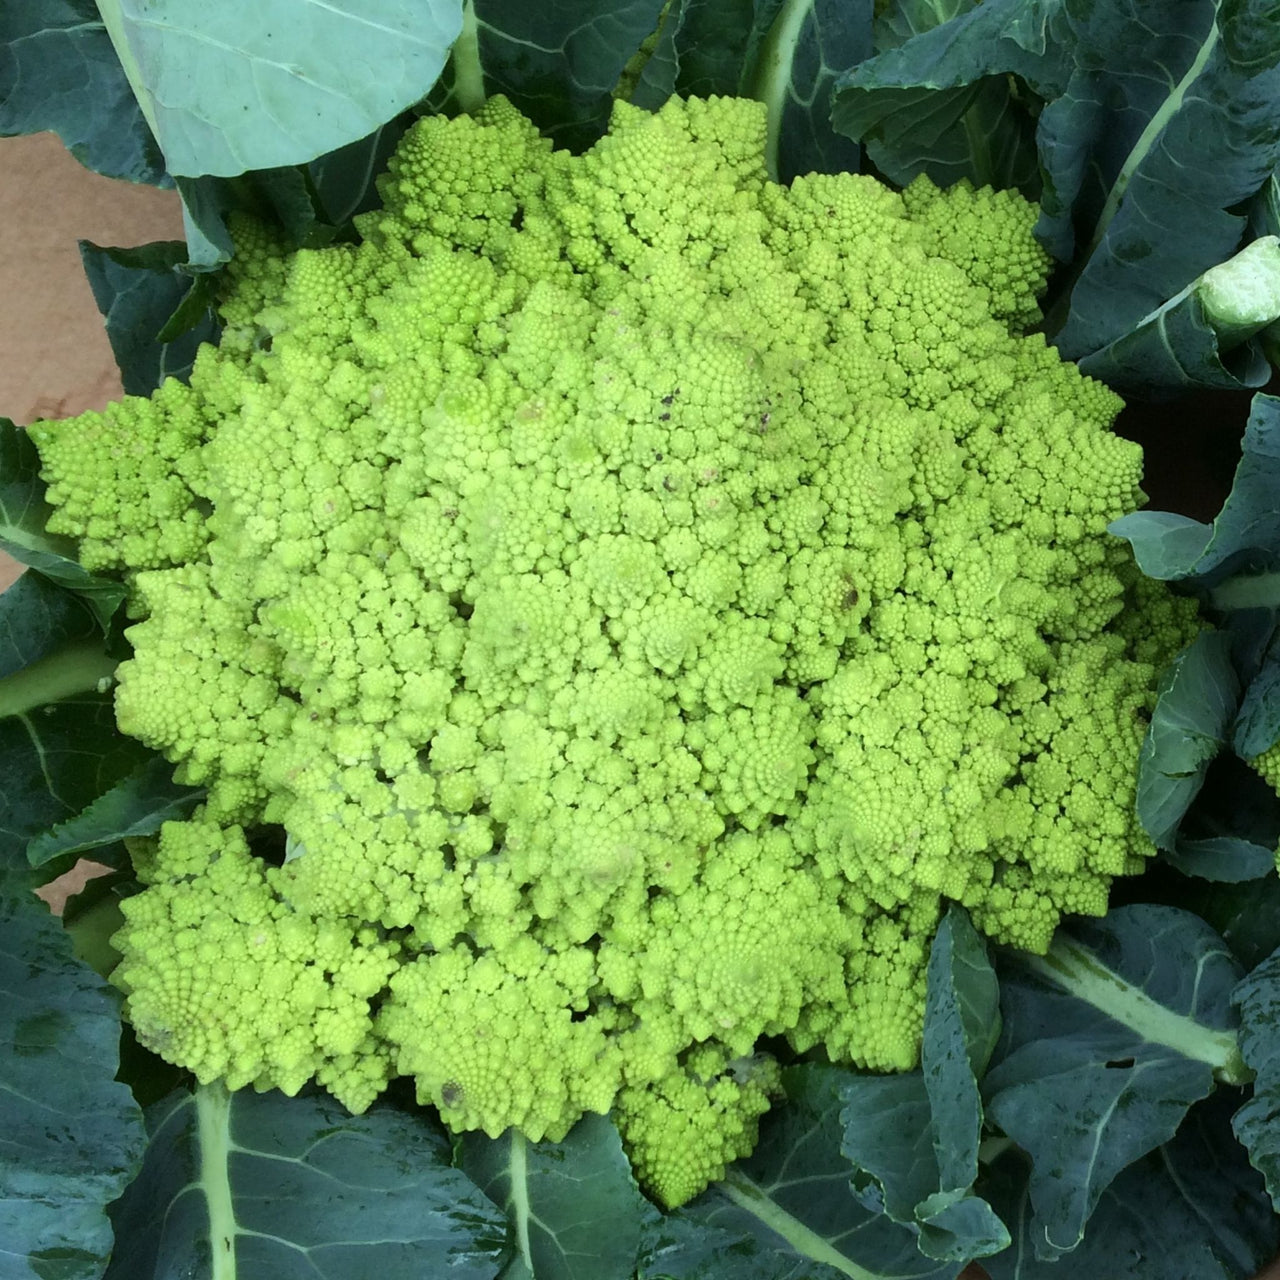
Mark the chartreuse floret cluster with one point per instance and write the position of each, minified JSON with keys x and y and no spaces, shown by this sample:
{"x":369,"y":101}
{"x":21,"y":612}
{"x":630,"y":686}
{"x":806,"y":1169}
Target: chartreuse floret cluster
{"x":612,"y":607}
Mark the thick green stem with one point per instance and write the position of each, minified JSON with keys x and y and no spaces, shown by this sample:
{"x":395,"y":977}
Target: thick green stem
{"x":771,"y":81}
{"x":468,"y":74}
{"x":1078,"y":971}
{"x":520,"y":1196}
{"x":213,"y":1116}
{"x":81,"y":668}
{"x":806,"y":1242}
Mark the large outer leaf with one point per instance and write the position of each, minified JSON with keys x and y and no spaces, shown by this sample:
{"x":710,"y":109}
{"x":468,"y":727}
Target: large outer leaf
{"x":1257,"y":1123}
{"x":59,"y":747}
{"x":1257,"y":727}
{"x":251,"y":1186}
{"x":889,"y":1136}
{"x":573,"y":1208}
{"x":253,"y":84}
{"x":788,"y":1212}
{"x":1208,"y":98}
{"x":714,"y":45}
{"x":1126,"y":79}
{"x":138,"y":291}
{"x":70,"y":1136}
{"x":899,"y":20}
{"x":1107,"y":1042}
{"x":58,"y":71}
{"x":809,"y":45}
{"x":1192,"y":1209}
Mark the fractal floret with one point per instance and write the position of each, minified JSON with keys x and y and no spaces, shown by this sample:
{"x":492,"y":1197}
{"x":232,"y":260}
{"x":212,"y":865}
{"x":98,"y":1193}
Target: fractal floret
{"x":613,"y":606}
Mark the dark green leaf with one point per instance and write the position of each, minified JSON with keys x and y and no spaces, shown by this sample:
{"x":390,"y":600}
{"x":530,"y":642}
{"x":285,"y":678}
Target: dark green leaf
{"x":1177,"y":345}
{"x":649,"y":79}
{"x":558,"y":1195}
{"x":1107,"y":1042}
{"x":1257,"y":1123}
{"x":244,"y":86}
{"x":1126,"y":62}
{"x":557,"y":62}
{"x":960,"y":1225}
{"x":788,"y":1211}
{"x":961,"y":1028}
{"x":706,"y":49}
{"x":138,"y":291}
{"x":55,"y":760}
{"x":1196,"y":703}
{"x":196,"y":307}
{"x":37,"y":618}
{"x":71,"y":1137}
{"x":889,"y":1136}
{"x":344,"y":180}
{"x":718,"y":45}
{"x":962,"y":1012}
{"x":1178,"y":119}
{"x":917,"y":1134}
{"x":23,"y":513}
{"x":135,"y":806}
{"x":1221,"y":858}
{"x":1192,"y":1209}
{"x":899,"y":20}
{"x":1264,"y":216}
{"x":941,"y":102}
{"x":259,"y":1185}
{"x":289,"y":193}
{"x":58,"y":71}
{"x":1156,"y":122}
{"x":1257,"y":727}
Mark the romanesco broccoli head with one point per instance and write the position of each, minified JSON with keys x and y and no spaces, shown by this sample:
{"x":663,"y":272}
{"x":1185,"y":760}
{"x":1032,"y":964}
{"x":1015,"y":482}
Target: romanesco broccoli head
{"x":637,"y":596}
